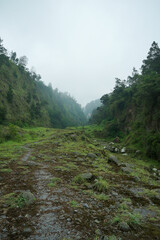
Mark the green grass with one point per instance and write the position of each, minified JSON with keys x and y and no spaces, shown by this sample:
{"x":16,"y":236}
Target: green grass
{"x":71,"y":165}
{"x":74,"y":204}
{"x":127,"y":217}
{"x":101,"y":196}
{"x":54,"y":182}
{"x":6,"y":170}
{"x":101,"y":185}
{"x":12,"y":200}
{"x":79,"y":179}
{"x":126,"y":214}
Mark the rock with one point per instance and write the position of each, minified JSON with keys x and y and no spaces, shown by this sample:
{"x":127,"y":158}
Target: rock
{"x":110,"y":148}
{"x":29,"y":197}
{"x":114,"y":160}
{"x":126,"y":170}
{"x":116,"y":150}
{"x":124,"y":226}
{"x":27,"y":230}
{"x":136,"y":179}
{"x":123,"y":150}
{"x":154,"y":169}
{"x":80,"y":159}
{"x":111,"y":207}
{"x":144,"y":212}
{"x":97,"y":221}
{"x":106,"y":210}
{"x":135,"y":191}
{"x":85,"y":205}
{"x":138,"y":152}
{"x":125,"y":154}
{"x":92,"y":155}
{"x":114,"y":193}
{"x":87,"y":176}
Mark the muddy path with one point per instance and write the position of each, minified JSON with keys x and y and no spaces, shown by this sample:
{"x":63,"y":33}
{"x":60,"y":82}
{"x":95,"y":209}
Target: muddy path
{"x":78,"y":193}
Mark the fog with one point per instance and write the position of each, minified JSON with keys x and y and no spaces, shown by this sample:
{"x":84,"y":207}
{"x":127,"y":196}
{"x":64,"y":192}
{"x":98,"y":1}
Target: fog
{"x":81,"y":46}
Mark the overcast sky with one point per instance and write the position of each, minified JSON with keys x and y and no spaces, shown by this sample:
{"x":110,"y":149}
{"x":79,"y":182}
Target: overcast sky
{"x":81,"y":46}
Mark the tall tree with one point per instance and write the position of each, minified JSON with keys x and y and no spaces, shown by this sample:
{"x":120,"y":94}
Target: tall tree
{"x":152,"y":63}
{"x":2,"y":49}
{"x":23,"y":61}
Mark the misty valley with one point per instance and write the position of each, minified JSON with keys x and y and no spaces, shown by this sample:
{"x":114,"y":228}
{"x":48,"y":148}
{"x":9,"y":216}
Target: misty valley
{"x":68,"y":172}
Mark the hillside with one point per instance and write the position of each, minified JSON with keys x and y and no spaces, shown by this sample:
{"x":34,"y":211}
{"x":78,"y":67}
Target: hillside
{"x":26,"y":100}
{"x":88,"y":109}
{"x":132,"y":110}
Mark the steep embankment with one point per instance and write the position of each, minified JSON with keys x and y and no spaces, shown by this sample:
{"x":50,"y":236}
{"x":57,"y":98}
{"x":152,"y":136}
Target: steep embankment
{"x":132,"y":110}
{"x":63,"y":184}
{"x":25,"y":100}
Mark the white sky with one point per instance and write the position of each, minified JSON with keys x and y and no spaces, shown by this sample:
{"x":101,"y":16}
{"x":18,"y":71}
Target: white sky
{"x":80,"y":46}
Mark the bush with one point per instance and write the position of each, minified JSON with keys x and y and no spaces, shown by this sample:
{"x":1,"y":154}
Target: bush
{"x":10,"y":132}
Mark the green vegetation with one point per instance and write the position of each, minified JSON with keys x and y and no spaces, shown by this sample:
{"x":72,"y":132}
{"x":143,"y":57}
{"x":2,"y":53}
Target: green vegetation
{"x":131,"y":111}
{"x":125,"y":214}
{"x":54,"y":181}
{"x":101,"y":196}
{"x":79,"y":179}
{"x":6,"y":170}
{"x":13,"y":200}
{"x":74,"y":204}
{"x":26,"y":101}
{"x":101,"y":185}
{"x":127,"y":217}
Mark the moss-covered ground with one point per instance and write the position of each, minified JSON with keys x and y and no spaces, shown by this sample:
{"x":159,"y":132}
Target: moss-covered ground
{"x":79,"y":193}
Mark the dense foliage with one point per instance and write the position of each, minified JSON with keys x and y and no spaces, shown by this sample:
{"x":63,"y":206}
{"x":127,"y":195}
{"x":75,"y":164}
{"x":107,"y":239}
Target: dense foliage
{"x":26,"y":100}
{"x":133,"y":108}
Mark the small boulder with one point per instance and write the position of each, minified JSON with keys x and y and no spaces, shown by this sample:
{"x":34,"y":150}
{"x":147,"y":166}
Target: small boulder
{"x":123,"y":150}
{"x":126,"y":170}
{"x":28,"y":197}
{"x":92,"y":155}
{"x":154,"y":169}
{"x":112,"y":159}
{"x":87,"y":176}
{"x":27,"y":230}
{"x":124,"y":226}
{"x":116,"y":150}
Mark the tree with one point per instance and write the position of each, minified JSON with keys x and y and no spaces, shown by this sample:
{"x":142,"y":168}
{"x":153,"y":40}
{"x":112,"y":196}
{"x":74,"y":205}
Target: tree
{"x":2,"y":49}
{"x":3,"y":113}
{"x":10,"y":94}
{"x":152,"y":63}
{"x":23,"y":61}
{"x":134,"y":78}
{"x":14,"y":58}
